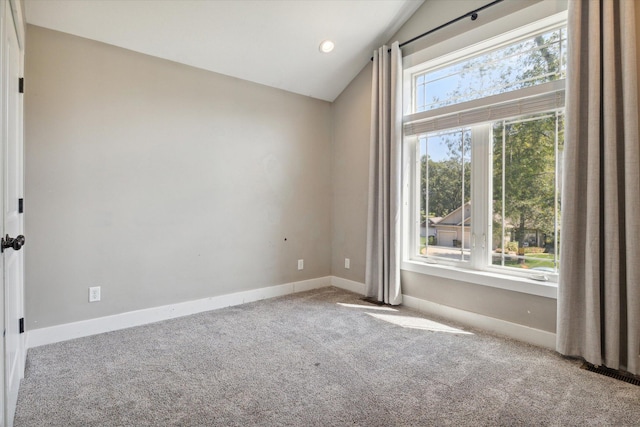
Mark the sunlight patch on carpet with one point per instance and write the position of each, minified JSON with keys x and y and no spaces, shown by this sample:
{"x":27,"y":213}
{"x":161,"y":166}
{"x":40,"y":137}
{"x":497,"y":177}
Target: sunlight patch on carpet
{"x":418,"y":323}
{"x":367,"y":307}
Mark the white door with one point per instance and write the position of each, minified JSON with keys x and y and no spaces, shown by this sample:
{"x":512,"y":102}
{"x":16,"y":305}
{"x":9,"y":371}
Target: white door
{"x":12,"y":229}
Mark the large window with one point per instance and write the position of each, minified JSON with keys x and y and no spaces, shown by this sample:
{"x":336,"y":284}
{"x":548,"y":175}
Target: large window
{"x":485,"y":135}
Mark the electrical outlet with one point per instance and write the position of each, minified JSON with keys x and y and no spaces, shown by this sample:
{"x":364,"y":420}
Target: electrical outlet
{"x":347,"y":263}
{"x":94,"y":294}
{"x":300,"y":264}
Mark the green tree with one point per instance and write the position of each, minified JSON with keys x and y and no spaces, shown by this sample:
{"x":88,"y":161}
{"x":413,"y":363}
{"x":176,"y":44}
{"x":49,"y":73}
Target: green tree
{"x":447,"y":177}
{"x":529,"y":148}
{"x":526,"y":163}
{"x":445,"y":186}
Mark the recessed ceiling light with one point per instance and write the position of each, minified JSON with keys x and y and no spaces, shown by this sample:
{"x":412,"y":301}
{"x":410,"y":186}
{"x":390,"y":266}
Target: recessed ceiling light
{"x":326,"y":46}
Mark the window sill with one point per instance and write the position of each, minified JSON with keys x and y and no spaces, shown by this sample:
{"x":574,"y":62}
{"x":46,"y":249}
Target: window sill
{"x":484,"y":278}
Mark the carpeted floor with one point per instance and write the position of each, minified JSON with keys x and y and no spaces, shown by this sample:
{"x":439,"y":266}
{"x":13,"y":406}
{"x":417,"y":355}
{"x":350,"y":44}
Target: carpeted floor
{"x":318,"y":358}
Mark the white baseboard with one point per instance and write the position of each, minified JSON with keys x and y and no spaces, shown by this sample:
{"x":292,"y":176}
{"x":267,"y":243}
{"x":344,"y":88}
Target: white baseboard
{"x":512,"y":330}
{"x":68,"y":331}
{"x":347,"y":284}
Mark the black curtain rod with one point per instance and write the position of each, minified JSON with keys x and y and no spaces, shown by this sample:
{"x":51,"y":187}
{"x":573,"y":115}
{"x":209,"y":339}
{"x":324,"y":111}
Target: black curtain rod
{"x":473,"y":14}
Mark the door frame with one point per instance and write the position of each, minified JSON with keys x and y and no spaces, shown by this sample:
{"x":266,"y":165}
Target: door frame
{"x":11,"y":13}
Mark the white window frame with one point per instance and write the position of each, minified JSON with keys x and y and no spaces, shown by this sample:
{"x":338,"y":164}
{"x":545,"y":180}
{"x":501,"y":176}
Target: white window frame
{"x":479,"y":269}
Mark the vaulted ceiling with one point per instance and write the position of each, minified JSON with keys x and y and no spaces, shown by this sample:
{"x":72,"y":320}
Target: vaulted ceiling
{"x":271,"y":42}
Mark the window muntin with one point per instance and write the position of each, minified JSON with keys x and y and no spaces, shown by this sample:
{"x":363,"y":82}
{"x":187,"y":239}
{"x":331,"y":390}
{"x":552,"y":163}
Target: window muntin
{"x":530,"y":96}
{"x":529,"y":62}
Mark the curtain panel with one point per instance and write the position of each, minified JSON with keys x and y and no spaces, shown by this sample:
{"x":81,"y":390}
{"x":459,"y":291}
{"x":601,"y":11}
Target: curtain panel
{"x":382,"y":274}
{"x":599,"y":286}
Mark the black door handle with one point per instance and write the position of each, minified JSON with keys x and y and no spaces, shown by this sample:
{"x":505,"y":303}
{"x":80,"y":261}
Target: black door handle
{"x":15,"y":243}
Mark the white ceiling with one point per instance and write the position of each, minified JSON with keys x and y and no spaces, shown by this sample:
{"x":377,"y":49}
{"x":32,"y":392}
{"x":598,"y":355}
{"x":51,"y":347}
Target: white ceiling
{"x":271,"y":42}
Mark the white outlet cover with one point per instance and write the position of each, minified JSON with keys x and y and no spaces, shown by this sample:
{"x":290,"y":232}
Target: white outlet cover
{"x":300,"y":264}
{"x":94,"y":294}
{"x":347,"y":263}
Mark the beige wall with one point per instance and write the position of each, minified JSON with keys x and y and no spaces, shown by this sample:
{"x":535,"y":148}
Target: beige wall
{"x":638,"y":51}
{"x":136,"y":166}
{"x":530,"y":310}
{"x":163,"y":183}
{"x":351,"y":113}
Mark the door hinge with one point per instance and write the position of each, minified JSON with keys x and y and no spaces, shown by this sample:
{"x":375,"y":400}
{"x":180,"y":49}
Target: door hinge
{"x":20,"y":205}
{"x":21,"y":85}
{"x":21,"y":325}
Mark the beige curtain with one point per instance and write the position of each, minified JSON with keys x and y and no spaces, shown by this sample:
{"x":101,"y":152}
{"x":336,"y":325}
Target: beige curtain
{"x":382,"y":274}
{"x":599,"y":289}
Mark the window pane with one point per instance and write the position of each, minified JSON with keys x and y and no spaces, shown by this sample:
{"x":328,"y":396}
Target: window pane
{"x":526,"y":192}
{"x":529,"y":62}
{"x":445,"y":192}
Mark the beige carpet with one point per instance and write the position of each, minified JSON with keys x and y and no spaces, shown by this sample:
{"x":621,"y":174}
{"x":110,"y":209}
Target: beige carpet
{"x":319,"y":358}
